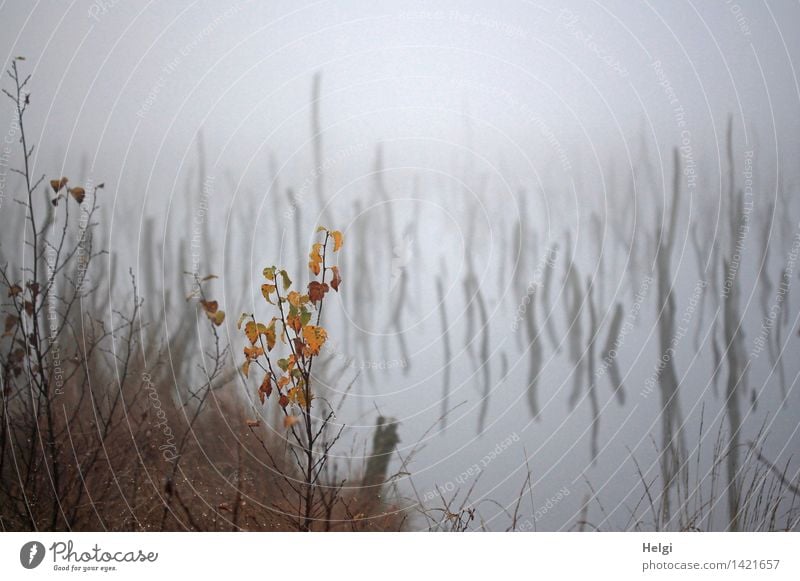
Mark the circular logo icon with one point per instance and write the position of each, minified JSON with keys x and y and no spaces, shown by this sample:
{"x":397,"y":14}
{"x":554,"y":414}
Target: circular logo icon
{"x":31,"y":554}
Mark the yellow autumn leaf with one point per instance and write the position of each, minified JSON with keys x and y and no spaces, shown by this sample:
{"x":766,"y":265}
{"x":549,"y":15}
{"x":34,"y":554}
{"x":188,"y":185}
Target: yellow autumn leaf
{"x":58,"y":184}
{"x":294,"y":298}
{"x":314,"y":337}
{"x":265,"y":390}
{"x":338,"y":240}
{"x":337,"y":278}
{"x":267,"y":290}
{"x":78,"y":194}
{"x":294,"y":322}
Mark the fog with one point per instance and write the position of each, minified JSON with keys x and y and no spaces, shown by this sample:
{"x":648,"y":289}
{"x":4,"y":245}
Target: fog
{"x":505,"y":179}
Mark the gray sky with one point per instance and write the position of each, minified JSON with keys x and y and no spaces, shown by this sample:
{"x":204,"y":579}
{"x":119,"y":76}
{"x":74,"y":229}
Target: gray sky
{"x":119,"y":77}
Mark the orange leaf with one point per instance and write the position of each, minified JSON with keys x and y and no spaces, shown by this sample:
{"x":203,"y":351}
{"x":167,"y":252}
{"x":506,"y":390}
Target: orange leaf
{"x":314,"y":337}
{"x":289,"y":421}
{"x":267,"y":290}
{"x":316,"y":257}
{"x":297,"y":395}
{"x":337,"y":279}
{"x":253,"y":330}
{"x":296,"y":299}
{"x":78,"y":194}
{"x":253,"y":353}
{"x":338,"y":240}
{"x":265,"y":390}
{"x":212,"y":312}
{"x":287,"y":282}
